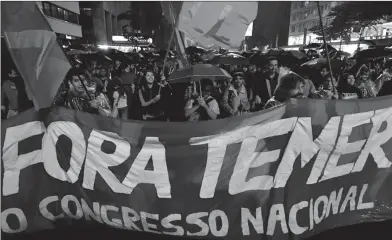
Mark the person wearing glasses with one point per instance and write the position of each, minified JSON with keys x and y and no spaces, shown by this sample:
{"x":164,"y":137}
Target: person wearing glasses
{"x":236,"y":98}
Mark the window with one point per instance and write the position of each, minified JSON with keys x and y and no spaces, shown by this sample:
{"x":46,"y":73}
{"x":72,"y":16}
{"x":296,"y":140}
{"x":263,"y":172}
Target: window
{"x":55,"y":11}
{"x":60,"y":13}
{"x":46,"y":8}
{"x":292,"y":28}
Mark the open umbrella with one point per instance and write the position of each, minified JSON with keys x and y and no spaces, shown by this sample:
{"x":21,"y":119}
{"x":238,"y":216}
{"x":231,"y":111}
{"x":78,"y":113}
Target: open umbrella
{"x":197,"y":72}
{"x":193,"y":50}
{"x":318,"y":63}
{"x":72,"y":52}
{"x":230,"y":59}
{"x":298,"y":54}
{"x":373,"y":53}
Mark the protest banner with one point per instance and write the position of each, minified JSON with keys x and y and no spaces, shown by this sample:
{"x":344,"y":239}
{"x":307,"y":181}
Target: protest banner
{"x":286,"y":173}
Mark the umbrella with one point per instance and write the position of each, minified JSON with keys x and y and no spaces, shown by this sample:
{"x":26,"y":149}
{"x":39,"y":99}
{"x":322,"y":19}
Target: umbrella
{"x":318,"y":63}
{"x":193,"y":50}
{"x":99,"y":56}
{"x":373,"y":53}
{"x":298,"y":54}
{"x":76,"y":52}
{"x":230,"y":59}
{"x":248,"y":54}
{"x":197,"y":72}
{"x":261,"y":58}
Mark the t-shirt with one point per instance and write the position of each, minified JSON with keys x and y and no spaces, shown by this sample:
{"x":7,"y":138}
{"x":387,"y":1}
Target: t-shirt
{"x":211,"y":103}
{"x":122,"y":101}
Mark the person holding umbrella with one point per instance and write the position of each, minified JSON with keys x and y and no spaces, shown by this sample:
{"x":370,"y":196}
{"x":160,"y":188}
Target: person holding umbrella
{"x":203,"y":107}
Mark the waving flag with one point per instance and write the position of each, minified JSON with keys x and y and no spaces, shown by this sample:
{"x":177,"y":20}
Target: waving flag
{"x":34,"y":48}
{"x":220,"y":23}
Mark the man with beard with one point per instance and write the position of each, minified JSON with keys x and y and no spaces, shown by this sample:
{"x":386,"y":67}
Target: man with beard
{"x":235,"y":98}
{"x":265,"y":84}
{"x":291,"y":86}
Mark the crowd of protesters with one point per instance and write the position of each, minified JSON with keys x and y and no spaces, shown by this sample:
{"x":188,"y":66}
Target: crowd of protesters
{"x":128,"y":90}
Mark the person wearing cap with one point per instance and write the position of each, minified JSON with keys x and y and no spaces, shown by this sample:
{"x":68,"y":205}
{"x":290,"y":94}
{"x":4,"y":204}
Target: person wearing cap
{"x":235,"y":98}
{"x":204,"y":107}
{"x":291,"y":86}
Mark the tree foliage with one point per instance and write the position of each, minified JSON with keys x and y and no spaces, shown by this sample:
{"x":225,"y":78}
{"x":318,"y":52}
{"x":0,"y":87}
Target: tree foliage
{"x":347,"y":15}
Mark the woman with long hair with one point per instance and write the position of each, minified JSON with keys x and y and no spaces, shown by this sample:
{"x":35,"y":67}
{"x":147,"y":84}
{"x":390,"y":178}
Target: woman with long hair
{"x":347,"y":89}
{"x":120,"y":102}
{"x":150,"y":98}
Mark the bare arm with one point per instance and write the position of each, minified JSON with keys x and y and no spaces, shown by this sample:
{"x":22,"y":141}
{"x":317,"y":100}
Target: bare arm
{"x":190,"y":111}
{"x":144,"y":103}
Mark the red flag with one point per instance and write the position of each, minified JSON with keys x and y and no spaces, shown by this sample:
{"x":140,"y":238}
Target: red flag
{"x":34,"y":48}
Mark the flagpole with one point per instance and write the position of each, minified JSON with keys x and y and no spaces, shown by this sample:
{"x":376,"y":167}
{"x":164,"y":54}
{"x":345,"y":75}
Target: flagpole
{"x":326,"y":48}
{"x":179,"y":42}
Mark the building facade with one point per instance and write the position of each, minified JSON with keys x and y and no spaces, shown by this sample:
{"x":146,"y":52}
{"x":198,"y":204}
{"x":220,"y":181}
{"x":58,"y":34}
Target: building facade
{"x":304,"y":15}
{"x":271,"y":24}
{"x":63,"y":17}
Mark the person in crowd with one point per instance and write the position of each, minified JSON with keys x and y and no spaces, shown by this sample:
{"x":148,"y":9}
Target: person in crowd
{"x":309,"y":88}
{"x":283,"y":69}
{"x":291,"y":86}
{"x":9,"y":95}
{"x":265,"y":84}
{"x":117,"y":69}
{"x":77,"y":98}
{"x":324,"y":71}
{"x":219,"y":89}
{"x":347,"y":88}
{"x":95,"y":90}
{"x":150,"y":98}
{"x":235,"y":98}
{"x":203,"y":107}
{"x":128,"y":78}
{"x":326,"y":90}
{"x":365,"y":84}
{"x":120,"y":102}
{"x":14,"y":99}
{"x":383,"y":82}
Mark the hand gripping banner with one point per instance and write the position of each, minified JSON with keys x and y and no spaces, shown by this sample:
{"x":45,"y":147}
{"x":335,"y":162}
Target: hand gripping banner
{"x":287,"y":173}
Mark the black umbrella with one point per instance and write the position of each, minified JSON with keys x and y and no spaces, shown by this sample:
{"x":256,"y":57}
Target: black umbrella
{"x":193,"y":50}
{"x":318,"y":63}
{"x":281,"y":55}
{"x":197,"y":72}
{"x":230,"y":59}
{"x":373,"y":53}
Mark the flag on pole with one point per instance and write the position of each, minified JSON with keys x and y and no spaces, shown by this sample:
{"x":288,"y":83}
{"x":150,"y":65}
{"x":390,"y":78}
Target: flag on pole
{"x":220,"y":23}
{"x":34,"y":48}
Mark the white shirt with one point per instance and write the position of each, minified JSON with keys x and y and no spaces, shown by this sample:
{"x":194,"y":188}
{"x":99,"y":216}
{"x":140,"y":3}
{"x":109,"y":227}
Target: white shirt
{"x":122,"y":102}
{"x":212,"y":105}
